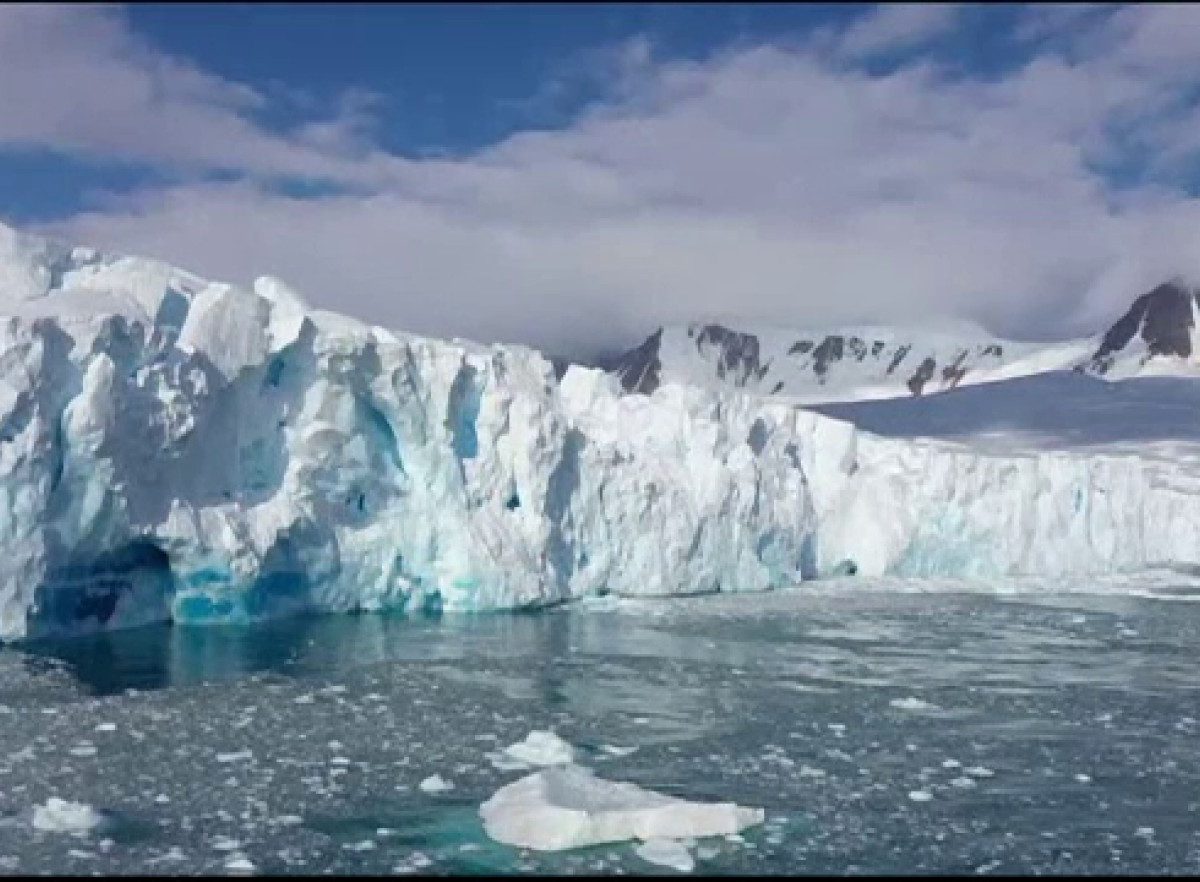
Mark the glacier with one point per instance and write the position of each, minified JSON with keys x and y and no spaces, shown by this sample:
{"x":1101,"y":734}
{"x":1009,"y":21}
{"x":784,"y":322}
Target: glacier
{"x":176,"y":449}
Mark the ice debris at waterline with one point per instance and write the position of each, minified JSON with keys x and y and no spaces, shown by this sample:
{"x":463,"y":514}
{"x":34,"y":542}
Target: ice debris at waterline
{"x":177,"y":449}
{"x":569,"y":807}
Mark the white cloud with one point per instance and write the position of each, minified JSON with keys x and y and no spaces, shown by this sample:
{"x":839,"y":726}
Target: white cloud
{"x":894,"y":26}
{"x":76,"y":79}
{"x":765,"y":183}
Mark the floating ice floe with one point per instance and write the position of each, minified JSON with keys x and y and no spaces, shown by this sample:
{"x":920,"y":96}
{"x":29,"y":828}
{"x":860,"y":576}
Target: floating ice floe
{"x":235,"y":756}
{"x":569,"y":807}
{"x":667,"y":853}
{"x":239,"y":863}
{"x":435,"y":784}
{"x":64,"y":816}
{"x":911,"y":703}
{"x":617,"y":750}
{"x":540,"y":748}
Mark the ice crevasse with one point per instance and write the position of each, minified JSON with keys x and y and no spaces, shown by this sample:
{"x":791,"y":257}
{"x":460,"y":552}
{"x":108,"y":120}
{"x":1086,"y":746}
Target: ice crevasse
{"x":174,"y":448}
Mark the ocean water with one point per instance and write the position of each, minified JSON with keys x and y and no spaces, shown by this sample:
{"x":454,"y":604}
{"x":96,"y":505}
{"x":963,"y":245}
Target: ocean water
{"x":892,"y":733}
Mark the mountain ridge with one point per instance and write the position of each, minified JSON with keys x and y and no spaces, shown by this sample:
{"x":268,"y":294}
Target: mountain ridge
{"x":1158,"y":335}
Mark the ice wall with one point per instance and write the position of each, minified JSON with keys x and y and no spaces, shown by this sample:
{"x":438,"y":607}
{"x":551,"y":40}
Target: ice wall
{"x":175,"y":448}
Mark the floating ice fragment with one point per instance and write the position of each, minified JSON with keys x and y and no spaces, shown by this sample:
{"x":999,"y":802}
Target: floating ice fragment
{"x":541,"y":748}
{"x":912,"y":703}
{"x":239,"y":863}
{"x":666,"y":853}
{"x":568,"y":807}
{"x":106,"y":727}
{"x":707,"y":852}
{"x":435,"y":784}
{"x":63,"y":816}
{"x":237,"y":756}
{"x":920,"y":795}
{"x":1083,"y":779}
{"x":416,"y":861}
{"x":980,"y":772}
{"x":174,"y":853}
{"x":615,"y":750}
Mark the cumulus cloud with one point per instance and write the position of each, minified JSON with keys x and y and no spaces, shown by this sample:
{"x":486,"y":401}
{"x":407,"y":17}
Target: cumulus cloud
{"x":769,"y":183}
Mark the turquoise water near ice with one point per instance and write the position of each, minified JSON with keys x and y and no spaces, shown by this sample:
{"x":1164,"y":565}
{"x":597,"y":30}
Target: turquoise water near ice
{"x":882,"y":733}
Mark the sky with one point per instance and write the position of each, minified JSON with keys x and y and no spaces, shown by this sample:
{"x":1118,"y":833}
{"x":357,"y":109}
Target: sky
{"x":571,"y":177}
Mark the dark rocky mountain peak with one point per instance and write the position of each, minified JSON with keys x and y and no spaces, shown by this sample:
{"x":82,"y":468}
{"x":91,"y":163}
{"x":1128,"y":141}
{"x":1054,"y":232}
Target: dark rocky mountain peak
{"x":639,"y":368}
{"x":1162,"y":318}
{"x":738,"y":353}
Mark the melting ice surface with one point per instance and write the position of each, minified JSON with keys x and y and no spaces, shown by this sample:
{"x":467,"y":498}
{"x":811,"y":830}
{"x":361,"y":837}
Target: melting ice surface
{"x":1043,"y":732}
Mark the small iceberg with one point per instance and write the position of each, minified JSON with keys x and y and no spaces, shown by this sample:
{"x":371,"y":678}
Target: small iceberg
{"x":63,"y":816}
{"x":569,"y":807}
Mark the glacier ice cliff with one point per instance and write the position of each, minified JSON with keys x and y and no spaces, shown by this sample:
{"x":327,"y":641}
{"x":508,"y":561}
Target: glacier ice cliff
{"x":173,"y":448}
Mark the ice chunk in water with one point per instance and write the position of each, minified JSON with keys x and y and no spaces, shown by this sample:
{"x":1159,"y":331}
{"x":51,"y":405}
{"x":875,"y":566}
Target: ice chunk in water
{"x":569,"y":807}
{"x":435,"y":784}
{"x":541,"y":748}
{"x":666,"y":853}
{"x":63,"y":816}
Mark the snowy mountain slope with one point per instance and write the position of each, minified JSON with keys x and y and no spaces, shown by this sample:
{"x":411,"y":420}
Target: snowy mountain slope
{"x":172,"y":448}
{"x":1157,"y":336}
{"x":1054,"y":410}
{"x":841,"y":364}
